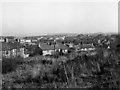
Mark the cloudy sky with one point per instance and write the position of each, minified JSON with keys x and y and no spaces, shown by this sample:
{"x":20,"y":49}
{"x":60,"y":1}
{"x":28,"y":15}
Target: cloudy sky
{"x":36,"y":18}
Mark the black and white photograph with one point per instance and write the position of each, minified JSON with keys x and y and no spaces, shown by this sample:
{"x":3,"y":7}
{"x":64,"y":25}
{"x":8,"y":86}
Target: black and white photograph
{"x":59,"y":44}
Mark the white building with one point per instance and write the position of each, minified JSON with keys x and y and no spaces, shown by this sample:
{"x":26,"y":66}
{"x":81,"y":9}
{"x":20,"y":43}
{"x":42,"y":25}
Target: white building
{"x":50,"y":49}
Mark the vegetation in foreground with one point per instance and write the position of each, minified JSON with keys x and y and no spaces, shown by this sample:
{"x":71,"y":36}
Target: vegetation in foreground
{"x":99,"y":71}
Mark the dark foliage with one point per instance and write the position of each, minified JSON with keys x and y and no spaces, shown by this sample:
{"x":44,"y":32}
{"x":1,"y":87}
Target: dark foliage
{"x":10,"y":64}
{"x":36,"y":51}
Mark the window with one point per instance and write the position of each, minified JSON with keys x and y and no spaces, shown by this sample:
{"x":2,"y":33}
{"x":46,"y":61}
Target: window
{"x":7,"y":52}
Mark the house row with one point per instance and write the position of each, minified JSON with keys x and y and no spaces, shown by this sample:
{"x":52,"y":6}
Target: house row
{"x":85,"y":47}
{"x":20,"y":40}
{"x":50,"y":49}
{"x":12,"y":50}
{"x":7,"y":39}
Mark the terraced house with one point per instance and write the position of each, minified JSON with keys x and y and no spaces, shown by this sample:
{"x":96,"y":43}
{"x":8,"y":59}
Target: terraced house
{"x":85,"y":47}
{"x":12,"y":50}
{"x":50,"y":49}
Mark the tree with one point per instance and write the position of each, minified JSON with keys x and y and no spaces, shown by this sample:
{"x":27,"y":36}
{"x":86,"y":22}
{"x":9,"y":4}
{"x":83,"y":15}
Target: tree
{"x":36,"y":51}
{"x":115,"y":46}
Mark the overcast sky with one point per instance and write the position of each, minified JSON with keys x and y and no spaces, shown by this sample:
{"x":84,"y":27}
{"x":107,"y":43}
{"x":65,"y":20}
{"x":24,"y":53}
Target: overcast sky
{"x":36,"y":18}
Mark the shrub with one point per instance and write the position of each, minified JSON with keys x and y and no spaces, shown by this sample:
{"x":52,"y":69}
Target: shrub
{"x":10,"y":64}
{"x":35,"y":50}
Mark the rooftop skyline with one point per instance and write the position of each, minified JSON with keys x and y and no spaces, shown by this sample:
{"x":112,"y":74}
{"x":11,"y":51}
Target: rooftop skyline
{"x":26,"y":18}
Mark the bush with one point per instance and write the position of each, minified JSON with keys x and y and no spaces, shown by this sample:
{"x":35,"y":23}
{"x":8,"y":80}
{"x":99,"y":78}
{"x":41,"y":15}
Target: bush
{"x":36,"y":51}
{"x":10,"y":64}
{"x":84,"y":71}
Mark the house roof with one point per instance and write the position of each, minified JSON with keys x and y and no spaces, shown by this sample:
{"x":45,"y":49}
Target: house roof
{"x":10,"y":46}
{"x":10,"y":37}
{"x":61,"y":46}
{"x":46,"y":47}
{"x":52,"y":47}
{"x":5,"y":46}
